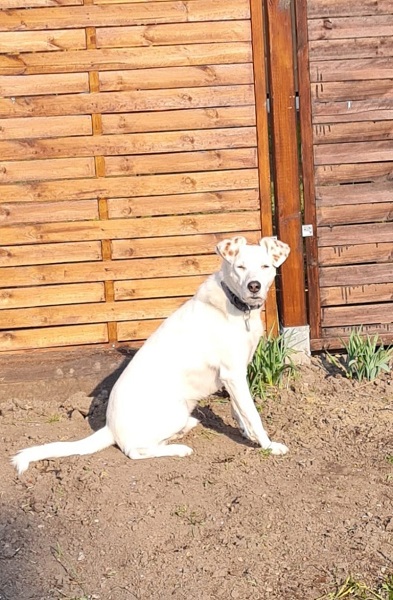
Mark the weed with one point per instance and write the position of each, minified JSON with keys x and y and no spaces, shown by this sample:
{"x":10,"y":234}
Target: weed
{"x":356,"y":590}
{"x":365,"y":357}
{"x":270,"y":363}
{"x":54,"y":418}
{"x":389,"y":458}
{"x":264,"y":453}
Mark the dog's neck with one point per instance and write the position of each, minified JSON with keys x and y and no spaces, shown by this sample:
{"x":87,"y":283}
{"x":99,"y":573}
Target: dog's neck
{"x":236,"y":301}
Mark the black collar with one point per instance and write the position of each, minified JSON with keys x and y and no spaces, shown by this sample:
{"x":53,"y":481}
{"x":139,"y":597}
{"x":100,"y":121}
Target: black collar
{"x":236,"y":302}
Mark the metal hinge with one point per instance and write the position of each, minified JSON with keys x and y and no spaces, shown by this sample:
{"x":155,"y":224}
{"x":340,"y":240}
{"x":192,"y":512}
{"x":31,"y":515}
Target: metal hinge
{"x":307,"y":230}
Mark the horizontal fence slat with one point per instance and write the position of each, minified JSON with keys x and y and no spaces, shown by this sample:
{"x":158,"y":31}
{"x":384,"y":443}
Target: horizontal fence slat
{"x":355,"y":193}
{"x":137,"y":330}
{"x":119,"y":228}
{"x":358,"y":110}
{"x":148,"y":185}
{"x":42,"y":41}
{"x":52,"y":337}
{"x":80,"y":314}
{"x":176,"y":77}
{"x":355,"y":315}
{"x":353,"y":132}
{"x":175,"y":120}
{"x":178,"y":162}
{"x":42,"y":254}
{"x":36,"y":85}
{"x":355,"y":275}
{"x":355,"y":234}
{"x":133,"y":101}
{"x":373,"y":292}
{"x":45,"y":127}
{"x":356,"y":254}
{"x":350,"y":27}
{"x":171,"y":246}
{"x":353,"y":173}
{"x":352,"y":48}
{"x":351,"y":213}
{"x":47,"y":169}
{"x":48,"y":212}
{"x":337,"y":8}
{"x":172,"y":34}
{"x":109,"y":59}
{"x":8,"y":4}
{"x":131,"y":143}
{"x":108,"y":270}
{"x":155,"y":288}
{"x":353,"y":152}
{"x":119,"y":208}
{"x":49,"y":295}
{"x":378,"y":90}
{"x":361,"y":70}
{"x":119,"y":15}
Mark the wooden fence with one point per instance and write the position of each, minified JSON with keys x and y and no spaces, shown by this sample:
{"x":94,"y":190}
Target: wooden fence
{"x":346,"y":100}
{"x":128,"y":149}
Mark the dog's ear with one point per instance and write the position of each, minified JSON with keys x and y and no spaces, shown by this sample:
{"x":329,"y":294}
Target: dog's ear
{"x":229,"y":248}
{"x":279,"y":251}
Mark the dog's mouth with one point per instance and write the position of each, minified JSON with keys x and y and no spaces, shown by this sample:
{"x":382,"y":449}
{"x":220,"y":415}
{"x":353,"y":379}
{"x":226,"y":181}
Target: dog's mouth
{"x":254,"y":299}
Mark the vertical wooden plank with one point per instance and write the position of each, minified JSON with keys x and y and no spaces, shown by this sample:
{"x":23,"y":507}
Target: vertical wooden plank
{"x":259,"y":68}
{"x":106,"y":246}
{"x":286,"y":167}
{"x":306,"y":132}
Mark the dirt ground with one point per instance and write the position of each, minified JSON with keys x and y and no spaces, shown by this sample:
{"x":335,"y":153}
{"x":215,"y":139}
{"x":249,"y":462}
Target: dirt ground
{"x":227,"y":522}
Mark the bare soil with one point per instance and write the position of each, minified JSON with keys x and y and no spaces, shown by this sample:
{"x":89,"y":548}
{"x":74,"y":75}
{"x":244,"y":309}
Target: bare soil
{"x":228,"y":522}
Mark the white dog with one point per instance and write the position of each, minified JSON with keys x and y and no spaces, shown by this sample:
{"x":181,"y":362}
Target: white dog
{"x":206,"y":343}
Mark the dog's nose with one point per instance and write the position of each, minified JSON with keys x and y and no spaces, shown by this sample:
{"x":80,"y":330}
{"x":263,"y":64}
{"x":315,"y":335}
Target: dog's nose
{"x":254,"y":287}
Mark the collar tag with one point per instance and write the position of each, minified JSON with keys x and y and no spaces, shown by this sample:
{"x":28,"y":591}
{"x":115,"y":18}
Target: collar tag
{"x":247,"y":315}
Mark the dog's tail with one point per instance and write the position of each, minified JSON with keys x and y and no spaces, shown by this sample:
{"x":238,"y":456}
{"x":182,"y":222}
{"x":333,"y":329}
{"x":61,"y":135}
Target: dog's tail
{"x":97,"y":441}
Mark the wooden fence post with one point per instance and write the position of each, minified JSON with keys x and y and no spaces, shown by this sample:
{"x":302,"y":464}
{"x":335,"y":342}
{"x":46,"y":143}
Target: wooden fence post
{"x":280,"y":51}
{"x":265,"y":191}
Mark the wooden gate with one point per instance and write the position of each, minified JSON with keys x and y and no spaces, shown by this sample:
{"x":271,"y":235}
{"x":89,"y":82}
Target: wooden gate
{"x":346,"y":104}
{"x":133,"y":137}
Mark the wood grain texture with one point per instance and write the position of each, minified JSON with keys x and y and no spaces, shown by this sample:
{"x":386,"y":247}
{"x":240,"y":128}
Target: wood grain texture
{"x":48,"y":212}
{"x":41,"y":170}
{"x":142,"y":13}
{"x":356,"y":254}
{"x":355,"y":8}
{"x":171,"y":34}
{"x":153,"y":288}
{"x":334,"y":28}
{"x":175,"y":120}
{"x":50,"y":295}
{"x":356,"y":275}
{"x":42,"y":254}
{"x":115,"y":270}
{"x":285,"y":152}
{"x":120,"y":102}
{"x":354,"y":315}
{"x":308,"y":168}
{"x":42,"y":41}
{"x":36,"y":85}
{"x":114,"y":187}
{"x":353,"y":132}
{"x":347,"y":214}
{"x":52,"y":337}
{"x":44,"y":127}
{"x":356,"y":48}
{"x":74,"y":61}
{"x":342,"y":235}
{"x":355,"y":193}
{"x":131,"y":143}
{"x":359,"y":294}
{"x":176,"y":77}
{"x":119,"y":228}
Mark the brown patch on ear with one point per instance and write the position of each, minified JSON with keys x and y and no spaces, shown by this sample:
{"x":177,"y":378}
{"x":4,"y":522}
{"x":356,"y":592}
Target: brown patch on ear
{"x":229,"y":248}
{"x":231,"y":253}
{"x":278,"y":250}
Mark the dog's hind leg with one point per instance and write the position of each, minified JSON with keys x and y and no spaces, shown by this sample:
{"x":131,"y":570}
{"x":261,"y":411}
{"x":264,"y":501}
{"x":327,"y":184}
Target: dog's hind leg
{"x":159,"y":450}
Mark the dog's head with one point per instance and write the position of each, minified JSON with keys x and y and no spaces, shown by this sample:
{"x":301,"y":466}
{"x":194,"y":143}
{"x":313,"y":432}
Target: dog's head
{"x":249,"y":270}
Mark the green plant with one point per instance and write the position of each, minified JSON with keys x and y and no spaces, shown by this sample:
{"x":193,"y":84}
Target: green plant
{"x":356,"y":590}
{"x":270,"y":363}
{"x":365,"y":358}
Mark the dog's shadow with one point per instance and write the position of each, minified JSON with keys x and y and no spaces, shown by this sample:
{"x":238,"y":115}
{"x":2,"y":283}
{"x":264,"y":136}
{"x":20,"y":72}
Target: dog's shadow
{"x":209,"y":419}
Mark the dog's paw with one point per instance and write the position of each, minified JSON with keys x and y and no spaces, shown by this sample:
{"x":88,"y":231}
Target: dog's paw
{"x":182,"y":450}
{"x":278,"y":449}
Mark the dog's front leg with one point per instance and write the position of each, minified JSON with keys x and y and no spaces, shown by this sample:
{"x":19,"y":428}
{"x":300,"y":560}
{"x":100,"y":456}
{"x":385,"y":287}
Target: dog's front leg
{"x":245,"y":411}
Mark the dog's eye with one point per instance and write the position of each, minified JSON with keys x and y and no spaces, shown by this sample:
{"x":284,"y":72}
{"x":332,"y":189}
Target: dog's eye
{"x":241,"y":267}
{"x":265,"y":267}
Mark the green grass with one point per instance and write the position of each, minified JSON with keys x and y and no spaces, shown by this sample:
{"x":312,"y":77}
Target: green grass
{"x":366,"y":358}
{"x":271,"y":364}
{"x":356,"y":590}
